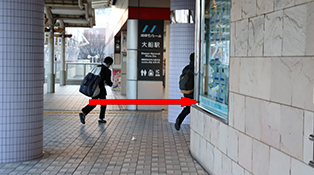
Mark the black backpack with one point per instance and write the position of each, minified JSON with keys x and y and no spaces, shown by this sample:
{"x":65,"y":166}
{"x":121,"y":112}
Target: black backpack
{"x":186,"y":83}
{"x":90,"y":83}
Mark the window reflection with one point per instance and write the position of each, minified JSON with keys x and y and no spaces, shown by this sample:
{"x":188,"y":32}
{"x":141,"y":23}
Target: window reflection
{"x":215,"y":57}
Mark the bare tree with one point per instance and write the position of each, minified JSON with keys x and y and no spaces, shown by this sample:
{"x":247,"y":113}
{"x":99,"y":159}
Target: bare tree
{"x":96,"y":39}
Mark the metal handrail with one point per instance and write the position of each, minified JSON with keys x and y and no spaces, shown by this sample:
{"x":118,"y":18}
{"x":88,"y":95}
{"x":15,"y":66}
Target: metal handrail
{"x":79,"y":63}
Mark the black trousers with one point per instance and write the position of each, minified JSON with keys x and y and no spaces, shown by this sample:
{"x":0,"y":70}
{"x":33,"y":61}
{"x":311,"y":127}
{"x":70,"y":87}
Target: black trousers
{"x":186,"y":110}
{"x":88,"y":108}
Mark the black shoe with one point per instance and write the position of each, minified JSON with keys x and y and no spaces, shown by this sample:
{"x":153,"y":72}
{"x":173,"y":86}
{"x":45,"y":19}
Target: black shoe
{"x":102,"y":121}
{"x":177,"y":126}
{"x":82,"y":117}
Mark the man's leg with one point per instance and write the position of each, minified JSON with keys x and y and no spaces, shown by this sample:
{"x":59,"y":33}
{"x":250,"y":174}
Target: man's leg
{"x":102,"y":110}
{"x":181,"y":117}
{"x":86,"y":110}
{"x":183,"y":113}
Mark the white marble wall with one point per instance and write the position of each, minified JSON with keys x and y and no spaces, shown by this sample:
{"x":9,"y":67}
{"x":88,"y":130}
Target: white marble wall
{"x":271,"y":101}
{"x":21,"y":80}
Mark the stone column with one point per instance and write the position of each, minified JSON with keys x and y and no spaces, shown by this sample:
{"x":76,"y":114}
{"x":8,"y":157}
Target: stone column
{"x":21,"y":80}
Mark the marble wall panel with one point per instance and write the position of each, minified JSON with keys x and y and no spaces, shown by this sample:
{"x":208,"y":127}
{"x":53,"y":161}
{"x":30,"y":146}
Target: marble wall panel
{"x":223,"y":138}
{"x":273,"y":34}
{"x":217,"y":161}
{"x":309,"y":41}
{"x":247,"y":76}
{"x":280,"y":4}
{"x":264,"y":6}
{"x":248,"y":8}
{"x":207,"y":122}
{"x":298,"y":167}
{"x":241,"y":34}
{"x":270,"y":123}
{"x":237,"y":169}
{"x":297,"y":2}
{"x":256,"y":36}
{"x":308,"y":129}
{"x":226,"y":165}
{"x":262,"y":78}
{"x":291,"y":131}
{"x":233,"y":142}
{"x":234,"y":74}
{"x":260,"y":158}
{"x":253,"y":117}
{"x":302,"y":82}
{"x":245,"y":151}
{"x":214,"y":133}
{"x":281,"y":80}
{"x":236,"y":10}
{"x":279,"y":163}
{"x":294,"y":31}
{"x":238,"y":111}
{"x":233,"y":40}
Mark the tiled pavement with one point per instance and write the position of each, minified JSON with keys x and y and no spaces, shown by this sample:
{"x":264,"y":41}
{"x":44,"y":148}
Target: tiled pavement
{"x":131,"y":142}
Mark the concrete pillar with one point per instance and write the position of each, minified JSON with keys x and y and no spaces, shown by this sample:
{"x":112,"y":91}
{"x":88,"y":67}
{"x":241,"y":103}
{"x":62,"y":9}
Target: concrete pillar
{"x":51,"y":75}
{"x":63,"y":71}
{"x":181,"y":46}
{"x":21,"y":80}
{"x":132,"y":41}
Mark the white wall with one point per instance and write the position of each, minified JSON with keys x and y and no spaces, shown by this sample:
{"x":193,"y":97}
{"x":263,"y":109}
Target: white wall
{"x":271,"y":94}
{"x":118,"y":17}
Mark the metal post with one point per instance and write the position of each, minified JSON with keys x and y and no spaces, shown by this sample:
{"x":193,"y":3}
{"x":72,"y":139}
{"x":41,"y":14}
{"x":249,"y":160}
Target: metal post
{"x":63,"y":70}
{"x":51,"y":75}
{"x":84,"y":70}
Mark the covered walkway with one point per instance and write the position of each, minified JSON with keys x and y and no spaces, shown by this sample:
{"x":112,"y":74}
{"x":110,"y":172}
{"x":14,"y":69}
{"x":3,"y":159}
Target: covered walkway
{"x":131,"y":142}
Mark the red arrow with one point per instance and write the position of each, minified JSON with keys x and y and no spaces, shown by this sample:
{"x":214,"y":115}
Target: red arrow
{"x":183,"y":102}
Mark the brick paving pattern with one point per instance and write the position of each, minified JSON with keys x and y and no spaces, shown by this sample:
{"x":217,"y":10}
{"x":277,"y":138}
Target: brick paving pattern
{"x":73,"y":148}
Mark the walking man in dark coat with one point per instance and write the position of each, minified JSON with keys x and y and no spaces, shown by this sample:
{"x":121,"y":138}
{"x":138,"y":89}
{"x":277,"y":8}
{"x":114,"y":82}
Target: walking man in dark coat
{"x":186,"y":109}
{"x":106,"y":79}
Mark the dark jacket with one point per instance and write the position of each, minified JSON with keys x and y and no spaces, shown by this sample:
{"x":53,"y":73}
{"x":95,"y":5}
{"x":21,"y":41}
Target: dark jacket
{"x":191,"y":67}
{"x":106,"y":78}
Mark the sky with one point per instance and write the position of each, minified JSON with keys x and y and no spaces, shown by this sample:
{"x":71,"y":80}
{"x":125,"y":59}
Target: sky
{"x":102,"y":16}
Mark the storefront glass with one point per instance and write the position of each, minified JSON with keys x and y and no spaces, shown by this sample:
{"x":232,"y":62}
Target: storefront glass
{"x":214,"y":57}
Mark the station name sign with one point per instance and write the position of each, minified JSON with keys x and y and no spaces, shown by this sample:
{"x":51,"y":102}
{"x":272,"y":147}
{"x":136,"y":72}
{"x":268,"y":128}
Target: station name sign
{"x":150,"y":49}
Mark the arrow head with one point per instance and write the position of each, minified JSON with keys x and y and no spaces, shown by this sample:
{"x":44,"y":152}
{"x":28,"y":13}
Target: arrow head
{"x":187,"y":101}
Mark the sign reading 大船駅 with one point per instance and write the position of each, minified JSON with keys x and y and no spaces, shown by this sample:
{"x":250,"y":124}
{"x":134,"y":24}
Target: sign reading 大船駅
{"x":150,"y":49}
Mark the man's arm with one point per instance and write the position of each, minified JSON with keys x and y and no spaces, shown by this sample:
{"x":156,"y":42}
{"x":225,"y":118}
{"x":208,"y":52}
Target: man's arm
{"x":108,"y":77}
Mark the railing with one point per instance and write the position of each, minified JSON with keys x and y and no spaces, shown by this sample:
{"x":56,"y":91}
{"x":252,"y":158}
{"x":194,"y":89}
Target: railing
{"x":75,"y":71}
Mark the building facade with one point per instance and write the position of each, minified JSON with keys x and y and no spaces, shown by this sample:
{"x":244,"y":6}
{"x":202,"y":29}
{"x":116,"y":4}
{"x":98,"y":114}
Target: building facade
{"x":262,"y":125}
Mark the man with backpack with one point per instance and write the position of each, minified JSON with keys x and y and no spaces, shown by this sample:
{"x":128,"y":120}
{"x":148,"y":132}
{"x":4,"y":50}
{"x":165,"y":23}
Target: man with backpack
{"x":105,"y":79}
{"x":186,"y":85}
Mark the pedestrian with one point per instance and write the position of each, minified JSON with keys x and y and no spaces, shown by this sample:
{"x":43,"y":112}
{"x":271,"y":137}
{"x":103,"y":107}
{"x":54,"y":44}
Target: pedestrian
{"x":105,"y":79}
{"x":186,"y":109}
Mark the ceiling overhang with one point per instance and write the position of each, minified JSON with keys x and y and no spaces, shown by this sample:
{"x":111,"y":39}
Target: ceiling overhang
{"x":73,"y":13}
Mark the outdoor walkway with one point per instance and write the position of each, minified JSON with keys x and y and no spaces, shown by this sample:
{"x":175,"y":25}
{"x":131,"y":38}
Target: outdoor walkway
{"x":131,"y":142}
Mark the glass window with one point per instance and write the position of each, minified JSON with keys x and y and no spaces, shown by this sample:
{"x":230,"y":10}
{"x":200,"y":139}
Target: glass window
{"x":214,"y":57}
